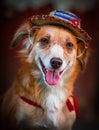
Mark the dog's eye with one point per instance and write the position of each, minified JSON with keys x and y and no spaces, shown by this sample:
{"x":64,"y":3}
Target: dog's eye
{"x":44,"y":40}
{"x":70,"y":45}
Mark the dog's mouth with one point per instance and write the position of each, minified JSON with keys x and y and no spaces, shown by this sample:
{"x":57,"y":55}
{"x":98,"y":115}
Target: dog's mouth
{"x":52,"y":77}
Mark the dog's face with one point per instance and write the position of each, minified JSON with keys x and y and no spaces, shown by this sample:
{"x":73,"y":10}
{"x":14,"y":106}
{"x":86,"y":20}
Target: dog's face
{"x":54,"y":51}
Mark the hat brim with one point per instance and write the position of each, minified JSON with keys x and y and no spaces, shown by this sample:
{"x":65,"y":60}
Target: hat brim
{"x":78,"y":32}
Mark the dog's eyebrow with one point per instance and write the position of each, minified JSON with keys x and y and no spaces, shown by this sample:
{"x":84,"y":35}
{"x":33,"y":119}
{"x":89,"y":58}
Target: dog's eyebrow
{"x":46,"y":36}
{"x":68,"y":39}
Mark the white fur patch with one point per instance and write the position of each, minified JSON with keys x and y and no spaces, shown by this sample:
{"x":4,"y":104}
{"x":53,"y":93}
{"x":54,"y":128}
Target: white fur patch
{"x":56,"y":51}
{"x":54,"y":99}
{"x":54,"y":103}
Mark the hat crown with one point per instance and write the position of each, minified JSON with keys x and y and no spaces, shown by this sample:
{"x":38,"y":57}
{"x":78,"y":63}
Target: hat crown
{"x":66,"y":16}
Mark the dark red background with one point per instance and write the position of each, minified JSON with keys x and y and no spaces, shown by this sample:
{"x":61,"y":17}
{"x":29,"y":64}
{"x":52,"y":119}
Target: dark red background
{"x":86,"y":86}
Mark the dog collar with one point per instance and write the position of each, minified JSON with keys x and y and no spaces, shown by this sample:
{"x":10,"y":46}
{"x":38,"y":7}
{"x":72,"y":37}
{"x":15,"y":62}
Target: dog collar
{"x":72,"y":107}
{"x":32,"y":103}
{"x":69,"y":105}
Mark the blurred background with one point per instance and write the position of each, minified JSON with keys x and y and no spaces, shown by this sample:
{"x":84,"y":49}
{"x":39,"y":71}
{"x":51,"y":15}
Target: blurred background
{"x":14,"y":12}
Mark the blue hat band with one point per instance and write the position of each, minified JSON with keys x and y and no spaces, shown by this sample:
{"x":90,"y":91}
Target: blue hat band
{"x":74,"y":20}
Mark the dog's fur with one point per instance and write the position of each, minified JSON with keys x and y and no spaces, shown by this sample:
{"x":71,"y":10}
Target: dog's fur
{"x":41,"y":44}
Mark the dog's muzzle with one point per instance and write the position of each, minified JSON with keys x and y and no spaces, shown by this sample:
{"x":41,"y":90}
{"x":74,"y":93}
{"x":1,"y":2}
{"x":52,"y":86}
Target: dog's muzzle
{"x":53,"y":74}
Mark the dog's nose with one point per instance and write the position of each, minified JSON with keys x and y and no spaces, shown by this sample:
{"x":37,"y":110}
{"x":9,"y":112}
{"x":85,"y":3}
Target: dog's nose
{"x":56,"y":63}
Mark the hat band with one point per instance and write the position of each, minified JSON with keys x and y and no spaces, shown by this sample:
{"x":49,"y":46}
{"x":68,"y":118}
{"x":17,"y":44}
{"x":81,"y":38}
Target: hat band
{"x":67,"y":17}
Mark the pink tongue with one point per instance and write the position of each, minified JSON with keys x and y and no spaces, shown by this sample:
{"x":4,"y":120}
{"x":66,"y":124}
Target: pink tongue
{"x":52,"y":77}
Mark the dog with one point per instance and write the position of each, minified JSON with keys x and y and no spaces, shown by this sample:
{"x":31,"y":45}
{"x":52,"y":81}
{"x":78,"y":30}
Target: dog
{"x":52,"y":57}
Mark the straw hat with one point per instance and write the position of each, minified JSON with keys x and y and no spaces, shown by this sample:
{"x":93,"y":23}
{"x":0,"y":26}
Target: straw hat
{"x":64,"y":18}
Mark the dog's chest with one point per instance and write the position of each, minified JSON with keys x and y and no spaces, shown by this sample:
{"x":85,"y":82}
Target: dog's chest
{"x":55,"y":112}
{"x":55,"y":108}
{"x":55,"y":116}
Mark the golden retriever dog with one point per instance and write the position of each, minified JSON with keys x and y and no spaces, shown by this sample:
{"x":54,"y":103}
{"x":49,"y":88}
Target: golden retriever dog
{"x":55,"y":50}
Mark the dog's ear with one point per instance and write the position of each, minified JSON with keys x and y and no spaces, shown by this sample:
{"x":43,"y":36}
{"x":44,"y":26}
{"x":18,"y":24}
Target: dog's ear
{"x":21,"y":34}
{"x":82,"y":53}
{"x":24,"y":35}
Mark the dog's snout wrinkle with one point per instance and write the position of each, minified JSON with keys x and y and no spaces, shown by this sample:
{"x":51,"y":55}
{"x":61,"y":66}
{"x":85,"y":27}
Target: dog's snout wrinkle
{"x":56,"y":63}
